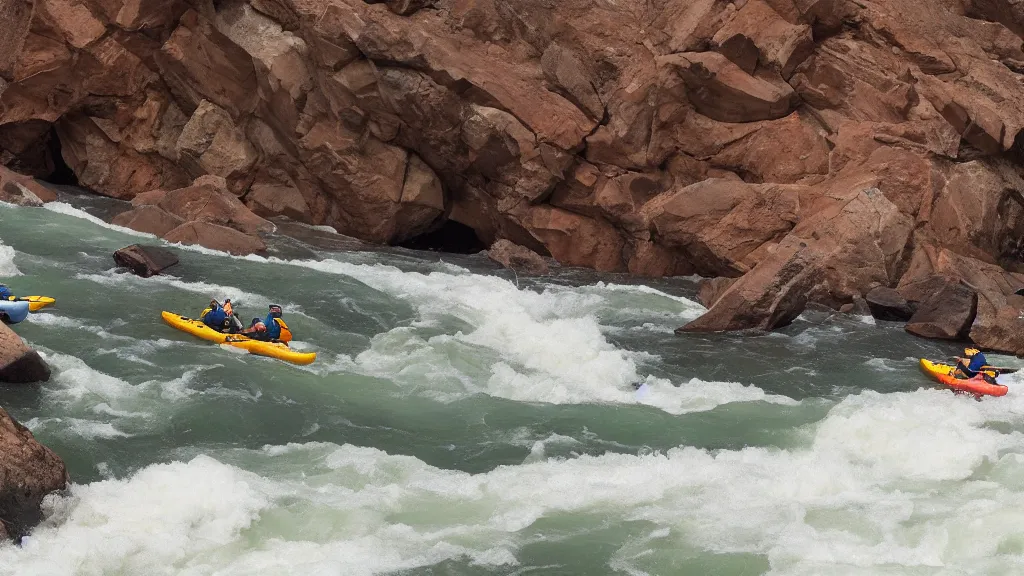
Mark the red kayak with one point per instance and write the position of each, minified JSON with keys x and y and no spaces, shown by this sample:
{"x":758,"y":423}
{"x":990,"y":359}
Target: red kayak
{"x":977,"y":385}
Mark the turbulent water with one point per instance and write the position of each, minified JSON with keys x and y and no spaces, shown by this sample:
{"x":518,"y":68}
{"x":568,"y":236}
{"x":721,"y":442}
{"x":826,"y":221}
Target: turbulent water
{"x":463,"y":421}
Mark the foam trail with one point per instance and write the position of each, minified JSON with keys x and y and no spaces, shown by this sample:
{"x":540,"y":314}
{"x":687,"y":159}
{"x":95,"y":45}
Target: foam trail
{"x":69,"y":210}
{"x":205,"y":288}
{"x":530,"y":346}
{"x":76,"y":428}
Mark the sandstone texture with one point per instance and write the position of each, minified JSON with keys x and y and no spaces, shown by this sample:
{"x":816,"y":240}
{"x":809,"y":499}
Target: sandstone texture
{"x":19,"y":364}
{"x":812,"y":150}
{"x":28,"y":472}
{"x":518,"y":258}
{"x":145,"y":261}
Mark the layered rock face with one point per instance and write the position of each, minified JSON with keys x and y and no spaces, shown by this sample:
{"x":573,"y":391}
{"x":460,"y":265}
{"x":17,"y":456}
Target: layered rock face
{"x":812,"y":149}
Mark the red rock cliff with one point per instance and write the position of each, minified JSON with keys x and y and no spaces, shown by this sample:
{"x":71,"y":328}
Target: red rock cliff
{"x":814,"y":148}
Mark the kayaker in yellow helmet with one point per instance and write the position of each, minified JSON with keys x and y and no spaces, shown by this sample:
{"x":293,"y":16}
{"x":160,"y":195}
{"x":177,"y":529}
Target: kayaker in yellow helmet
{"x":971,"y":364}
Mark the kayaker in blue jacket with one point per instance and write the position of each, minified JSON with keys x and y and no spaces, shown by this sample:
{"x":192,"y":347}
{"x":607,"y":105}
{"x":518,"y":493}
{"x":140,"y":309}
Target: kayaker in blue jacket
{"x":5,"y":292}
{"x":972,"y":363}
{"x":273,"y":328}
{"x":215,"y":317}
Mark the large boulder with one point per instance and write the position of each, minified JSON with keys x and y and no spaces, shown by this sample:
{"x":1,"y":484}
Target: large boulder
{"x":269,"y":200}
{"x":887,"y":304}
{"x":948,"y":314}
{"x":770,"y":296}
{"x":721,"y":90}
{"x":518,"y":258}
{"x":22,"y":190}
{"x":198,"y":62}
{"x":28,"y":472}
{"x":145,"y":261}
{"x":996,"y":322}
{"x":216,"y":237}
{"x":210,"y":143}
{"x":720,"y":223}
{"x":149,"y":219}
{"x":709,"y":290}
{"x":19,"y":364}
{"x":208,"y":200}
{"x":574,"y":239}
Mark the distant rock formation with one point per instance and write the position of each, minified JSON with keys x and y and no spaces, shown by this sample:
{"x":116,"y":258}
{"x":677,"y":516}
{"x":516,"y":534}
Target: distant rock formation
{"x":812,"y":149}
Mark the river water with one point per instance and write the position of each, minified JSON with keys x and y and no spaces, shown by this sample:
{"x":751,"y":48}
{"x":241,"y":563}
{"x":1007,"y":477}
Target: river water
{"x":462,"y":421}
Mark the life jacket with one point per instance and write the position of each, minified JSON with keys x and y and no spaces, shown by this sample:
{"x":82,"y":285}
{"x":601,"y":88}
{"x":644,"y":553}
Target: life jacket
{"x":229,"y":310}
{"x":210,"y":321}
{"x":286,"y":333}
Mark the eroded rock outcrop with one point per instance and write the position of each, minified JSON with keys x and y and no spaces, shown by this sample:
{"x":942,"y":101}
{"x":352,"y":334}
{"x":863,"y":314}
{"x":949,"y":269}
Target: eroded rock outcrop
{"x":19,"y":364}
{"x":694,"y":136}
{"x":518,"y":258}
{"x":28,"y":472}
{"x":196,"y":214}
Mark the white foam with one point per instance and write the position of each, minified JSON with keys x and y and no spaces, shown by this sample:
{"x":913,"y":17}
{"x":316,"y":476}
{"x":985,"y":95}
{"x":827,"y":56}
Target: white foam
{"x":82,"y":391}
{"x":237,"y":295}
{"x":74,"y":381}
{"x":870,"y":491}
{"x":77,"y":428}
{"x":59,"y":321}
{"x":69,"y":210}
{"x":531,"y":346}
{"x":7,"y":266}
{"x":153,"y":523}
{"x":880,"y":364}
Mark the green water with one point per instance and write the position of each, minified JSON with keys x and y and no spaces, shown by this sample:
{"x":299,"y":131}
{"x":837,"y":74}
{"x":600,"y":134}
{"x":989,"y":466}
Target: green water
{"x":460,"y":420}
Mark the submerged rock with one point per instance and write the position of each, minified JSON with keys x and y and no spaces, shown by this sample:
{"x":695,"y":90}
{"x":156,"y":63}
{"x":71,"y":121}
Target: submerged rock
{"x":19,"y":364}
{"x":145,"y":261}
{"x":28,"y":472}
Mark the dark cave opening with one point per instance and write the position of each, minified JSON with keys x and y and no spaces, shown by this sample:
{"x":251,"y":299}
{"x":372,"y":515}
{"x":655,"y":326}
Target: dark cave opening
{"x":62,"y":173}
{"x":451,"y":237}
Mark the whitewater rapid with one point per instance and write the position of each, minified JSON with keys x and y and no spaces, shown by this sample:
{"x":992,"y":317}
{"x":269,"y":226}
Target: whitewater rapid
{"x":466,"y":421}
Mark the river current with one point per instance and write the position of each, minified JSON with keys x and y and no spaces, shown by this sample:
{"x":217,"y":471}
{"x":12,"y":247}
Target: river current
{"x":460,"y":420}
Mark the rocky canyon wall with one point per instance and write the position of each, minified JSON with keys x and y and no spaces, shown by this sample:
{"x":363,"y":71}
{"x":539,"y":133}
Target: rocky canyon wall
{"x":814,"y":149}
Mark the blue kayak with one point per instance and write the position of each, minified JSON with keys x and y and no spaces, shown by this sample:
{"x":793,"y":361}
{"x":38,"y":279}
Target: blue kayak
{"x":13,"y":312}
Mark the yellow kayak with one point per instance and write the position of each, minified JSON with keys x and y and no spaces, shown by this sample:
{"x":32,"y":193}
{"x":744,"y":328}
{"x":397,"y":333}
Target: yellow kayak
{"x":278,"y":350}
{"x":35,"y":303}
{"x":977,"y":385}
